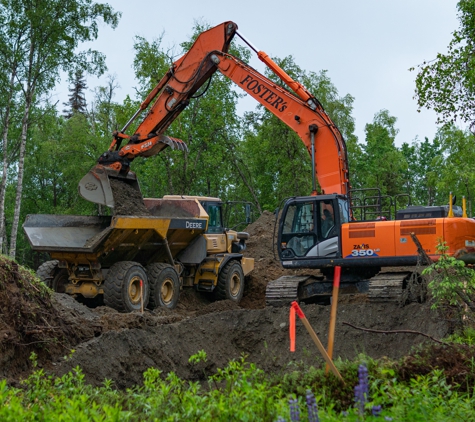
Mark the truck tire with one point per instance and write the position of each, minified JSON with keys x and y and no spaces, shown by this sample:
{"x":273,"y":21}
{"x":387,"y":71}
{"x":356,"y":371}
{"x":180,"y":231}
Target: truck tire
{"x":55,"y":278}
{"x":164,"y":286}
{"x":230,"y":282}
{"x":122,"y":287}
{"x":46,"y":271}
{"x":60,"y":280}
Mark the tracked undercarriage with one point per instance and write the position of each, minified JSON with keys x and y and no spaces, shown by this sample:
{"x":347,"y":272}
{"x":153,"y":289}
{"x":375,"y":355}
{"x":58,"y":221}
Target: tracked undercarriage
{"x":400,"y":285}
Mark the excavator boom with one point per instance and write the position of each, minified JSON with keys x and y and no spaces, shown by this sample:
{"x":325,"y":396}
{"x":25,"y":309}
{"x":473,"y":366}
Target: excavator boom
{"x":300,"y":110}
{"x":168,"y":99}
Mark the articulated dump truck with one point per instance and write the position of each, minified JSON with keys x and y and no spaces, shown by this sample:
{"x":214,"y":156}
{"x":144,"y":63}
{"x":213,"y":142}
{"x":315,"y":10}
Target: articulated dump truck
{"x":133,"y":262}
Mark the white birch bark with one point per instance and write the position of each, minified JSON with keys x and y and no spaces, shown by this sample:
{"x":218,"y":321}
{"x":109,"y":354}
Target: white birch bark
{"x":21,"y":167}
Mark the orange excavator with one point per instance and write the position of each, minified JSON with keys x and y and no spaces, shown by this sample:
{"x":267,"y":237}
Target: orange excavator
{"x":319,"y":231}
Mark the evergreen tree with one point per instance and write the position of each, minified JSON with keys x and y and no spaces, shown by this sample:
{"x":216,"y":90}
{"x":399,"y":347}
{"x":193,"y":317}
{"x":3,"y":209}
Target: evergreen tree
{"x":77,"y":98}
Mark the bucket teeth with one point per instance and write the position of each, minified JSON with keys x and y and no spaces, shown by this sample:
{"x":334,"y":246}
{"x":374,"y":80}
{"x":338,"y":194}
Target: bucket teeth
{"x":174,"y":143}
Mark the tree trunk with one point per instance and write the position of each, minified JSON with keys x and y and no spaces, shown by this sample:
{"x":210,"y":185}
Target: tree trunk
{"x":21,"y":169}
{"x":5,"y":161}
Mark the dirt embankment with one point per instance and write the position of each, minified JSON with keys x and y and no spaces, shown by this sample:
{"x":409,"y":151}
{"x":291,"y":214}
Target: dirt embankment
{"x":122,"y":346}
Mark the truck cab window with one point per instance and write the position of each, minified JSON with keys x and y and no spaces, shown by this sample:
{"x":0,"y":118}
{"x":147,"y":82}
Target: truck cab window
{"x":215,"y":224}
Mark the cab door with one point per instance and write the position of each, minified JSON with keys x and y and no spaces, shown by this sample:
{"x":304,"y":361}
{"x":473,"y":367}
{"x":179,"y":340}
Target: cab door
{"x":309,"y":228}
{"x":215,"y":234}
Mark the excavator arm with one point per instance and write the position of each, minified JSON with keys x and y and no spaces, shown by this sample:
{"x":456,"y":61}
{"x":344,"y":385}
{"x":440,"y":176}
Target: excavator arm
{"x":303,"y":114}
{"x":301,"y":111}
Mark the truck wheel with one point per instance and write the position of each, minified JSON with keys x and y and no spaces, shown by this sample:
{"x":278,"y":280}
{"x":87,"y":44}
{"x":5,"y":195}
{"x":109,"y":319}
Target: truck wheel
{"x":46,"y":271}
{"x":230,"y":282}
{"x":164,"y":286}
{"x":60,"y":280}
{"x":122,"y":287}
{"x":55,"y":278}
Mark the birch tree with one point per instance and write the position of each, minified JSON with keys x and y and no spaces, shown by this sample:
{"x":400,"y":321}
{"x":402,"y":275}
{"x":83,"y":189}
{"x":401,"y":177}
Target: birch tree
{"x":45,"y":35}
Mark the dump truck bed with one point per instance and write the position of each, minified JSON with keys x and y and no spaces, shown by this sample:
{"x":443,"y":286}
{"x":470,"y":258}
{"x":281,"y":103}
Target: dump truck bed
{"x":169,"y":229}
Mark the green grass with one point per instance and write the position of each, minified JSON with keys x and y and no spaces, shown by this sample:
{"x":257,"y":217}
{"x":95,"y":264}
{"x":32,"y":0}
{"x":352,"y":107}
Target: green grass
{"x":240,"y":392}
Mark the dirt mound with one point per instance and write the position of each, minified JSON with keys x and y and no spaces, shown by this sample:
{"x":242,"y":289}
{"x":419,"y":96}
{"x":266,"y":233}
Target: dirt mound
{"x":32,"y":321}
{"x":262,"y":334}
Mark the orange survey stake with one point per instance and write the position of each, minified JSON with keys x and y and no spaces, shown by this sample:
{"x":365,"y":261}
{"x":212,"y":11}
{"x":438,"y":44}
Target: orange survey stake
{"x":295,"y":309}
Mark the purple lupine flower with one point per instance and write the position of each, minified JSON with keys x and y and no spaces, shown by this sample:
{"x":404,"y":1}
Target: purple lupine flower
{"x":362,"y":389}
{"x":312,"y":407}
{"x":294,"y":410}
{"x":376,"y":410}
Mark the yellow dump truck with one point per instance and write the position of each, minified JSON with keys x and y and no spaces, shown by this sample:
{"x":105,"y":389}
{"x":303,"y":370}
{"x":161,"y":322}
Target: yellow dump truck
{"x":142,"y":261}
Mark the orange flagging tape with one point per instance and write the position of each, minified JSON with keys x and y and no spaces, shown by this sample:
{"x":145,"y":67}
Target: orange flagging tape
{"x":292,"y":329}
{"x":294,"y":309}
{"x":336,"y":278}
{"x":299,"y":311}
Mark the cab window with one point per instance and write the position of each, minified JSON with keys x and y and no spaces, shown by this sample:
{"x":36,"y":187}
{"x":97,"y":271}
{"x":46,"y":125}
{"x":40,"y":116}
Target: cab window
{"x":215,"y":224}
{"x":298,"y":232}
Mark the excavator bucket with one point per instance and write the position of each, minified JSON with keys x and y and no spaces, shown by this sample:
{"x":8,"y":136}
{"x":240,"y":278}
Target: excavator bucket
{"x":96,"y":187}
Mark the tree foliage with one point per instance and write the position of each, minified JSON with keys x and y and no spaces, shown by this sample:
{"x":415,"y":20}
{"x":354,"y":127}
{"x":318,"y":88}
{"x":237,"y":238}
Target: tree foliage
{"x":420,"y":178}
{"x":447,"y":83}
{"x":77,"y":99}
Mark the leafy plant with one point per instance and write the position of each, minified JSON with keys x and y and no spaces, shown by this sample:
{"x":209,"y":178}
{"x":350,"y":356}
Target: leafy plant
{"x":451,"y":282}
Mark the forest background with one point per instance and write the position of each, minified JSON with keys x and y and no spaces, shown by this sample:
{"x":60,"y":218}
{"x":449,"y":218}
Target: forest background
{"x":48,"y":147}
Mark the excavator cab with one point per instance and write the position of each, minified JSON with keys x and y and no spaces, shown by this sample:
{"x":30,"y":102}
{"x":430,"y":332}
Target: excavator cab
{"x":310,"y":227}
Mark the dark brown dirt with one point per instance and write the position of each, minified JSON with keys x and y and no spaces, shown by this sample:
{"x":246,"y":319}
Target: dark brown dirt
{"x":455,"y":360}
{"x":121,"y":347}
{"x":31,"y":321}
{"x":128,"y":200}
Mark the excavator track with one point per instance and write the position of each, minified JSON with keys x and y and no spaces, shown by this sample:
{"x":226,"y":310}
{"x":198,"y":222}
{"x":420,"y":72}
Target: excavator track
{"x":387,"y":287}
{"x":284,"y":290}
{"x":384,"y":287}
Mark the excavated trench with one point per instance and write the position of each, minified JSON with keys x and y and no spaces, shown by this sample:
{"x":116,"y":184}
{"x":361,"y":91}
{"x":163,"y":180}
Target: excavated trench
{"x":111,"y":345}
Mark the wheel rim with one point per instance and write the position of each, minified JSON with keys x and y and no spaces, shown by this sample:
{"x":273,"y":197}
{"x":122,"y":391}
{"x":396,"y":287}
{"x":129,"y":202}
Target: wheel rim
{"x":166,"y":291}
{"x":235,"y":285}
{"x":134,"y":290}
{"x":60,"y":282}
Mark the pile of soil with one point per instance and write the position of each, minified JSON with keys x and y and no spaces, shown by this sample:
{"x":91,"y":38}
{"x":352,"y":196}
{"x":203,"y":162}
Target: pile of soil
{"x":128,"y":200}
{"x":133,"y":342}
{"x":32,"y":322}
{"x":121,"y":347}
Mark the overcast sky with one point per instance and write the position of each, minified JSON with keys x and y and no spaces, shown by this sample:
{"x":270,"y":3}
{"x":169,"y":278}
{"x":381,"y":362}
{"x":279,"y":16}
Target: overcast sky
{"x":367,"y":46}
